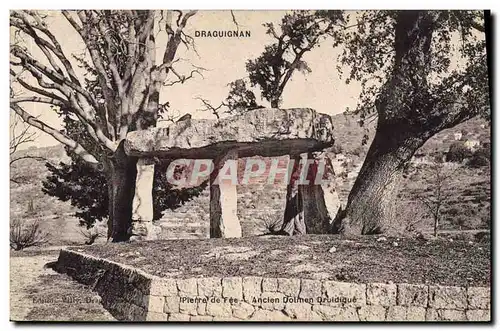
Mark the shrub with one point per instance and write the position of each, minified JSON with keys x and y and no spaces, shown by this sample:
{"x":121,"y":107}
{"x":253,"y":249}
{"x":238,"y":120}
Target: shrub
{"x":480,"y":158}
{"x":23,"y":235}
{"x":272,"y":224}
{"x":86,"y":188}
{"x":458,"y":152}
{"x":90,"y":235}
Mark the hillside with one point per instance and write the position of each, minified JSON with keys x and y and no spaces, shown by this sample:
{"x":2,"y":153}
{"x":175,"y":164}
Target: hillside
{"x":261,"y":205}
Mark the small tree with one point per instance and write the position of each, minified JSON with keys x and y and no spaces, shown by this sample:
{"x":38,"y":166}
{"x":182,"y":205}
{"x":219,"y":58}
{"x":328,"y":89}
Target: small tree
{"x":21,"y":134}
{"x":439,"y":192}
{"x":87,"y":189}
{"x":299,"y":32}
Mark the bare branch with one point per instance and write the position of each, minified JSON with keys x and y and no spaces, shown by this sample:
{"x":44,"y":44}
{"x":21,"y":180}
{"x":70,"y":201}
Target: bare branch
{"x":208,"y":106}
{"x":75,"y":147}
{"x":32,"y":157}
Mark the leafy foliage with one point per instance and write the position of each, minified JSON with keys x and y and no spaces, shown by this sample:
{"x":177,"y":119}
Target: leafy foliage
{"x":451,"y":78}
{"x":300,"y":32}
{"x":240,"y":98}
{"x":86,"y":188}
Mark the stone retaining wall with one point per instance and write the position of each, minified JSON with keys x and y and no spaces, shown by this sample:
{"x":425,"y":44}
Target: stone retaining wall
{"x":131,"y":294}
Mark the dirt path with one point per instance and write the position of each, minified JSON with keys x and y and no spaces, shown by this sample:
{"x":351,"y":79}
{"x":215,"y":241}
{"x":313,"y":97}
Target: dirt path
{"x":41,"y":294}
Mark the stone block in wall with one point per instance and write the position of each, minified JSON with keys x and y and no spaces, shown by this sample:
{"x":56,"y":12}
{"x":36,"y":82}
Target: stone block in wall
{"x":209,"y":287}
{"x":272,"y":301}
{"x":372,"y":313}
{"x":187,"y":307}
{"x":178,"y":317}
{"x":171,"y":305}
{"x":451,"y":315}
{"x":397,"y":313}
{"x":478,"y":315}
{"x":220,"y":309}
{"x":447,"y":297}
{"x":289,"y":286}
{"x":416,"y":314}
{"x":310,"y":289}
{"x":163,"y":287}
{"x":412,"y":295}
{"x":252,"y":288}
{"x":269,"y":315}
{"x":232,"y":287}
{"x":381,"y":294}
{"x":201,"y":309}
{"x":156,"y":317}
{"x":354,"y":295}
{"x":201,"y":318}
{"x":242,"y":310}
{"x":343,"y":314}
{"x":478,"y":297}
{"x":269,"y":285}
{"x":187,"y":287}
{"x":154,"y":303}
{"x":301,"y":312}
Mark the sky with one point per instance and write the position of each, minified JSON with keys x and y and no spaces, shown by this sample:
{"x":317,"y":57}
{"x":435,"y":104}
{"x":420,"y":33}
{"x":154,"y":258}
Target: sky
{"x":224,"y":60}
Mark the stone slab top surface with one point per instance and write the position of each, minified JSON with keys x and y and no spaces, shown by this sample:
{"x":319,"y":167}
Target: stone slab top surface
{"x":264,"y":131}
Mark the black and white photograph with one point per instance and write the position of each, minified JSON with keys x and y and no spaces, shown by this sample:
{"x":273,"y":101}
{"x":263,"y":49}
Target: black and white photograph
{"x":208,"y":166}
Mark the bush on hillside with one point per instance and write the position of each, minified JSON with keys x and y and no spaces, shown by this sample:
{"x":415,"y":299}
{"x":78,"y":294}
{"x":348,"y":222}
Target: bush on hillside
{"x":86,"y":189}
{"x":25,"y":234}
{"x":480,"y":158}
{"x":458,"y":152}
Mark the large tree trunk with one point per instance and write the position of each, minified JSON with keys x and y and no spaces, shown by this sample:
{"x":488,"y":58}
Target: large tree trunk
{"x":121,"y":178}
{"x":405,"y":122}
{"x":371,"y":204}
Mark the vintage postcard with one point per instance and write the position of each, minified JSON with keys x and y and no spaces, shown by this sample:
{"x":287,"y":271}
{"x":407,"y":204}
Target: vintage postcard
{"x":212,"y":166}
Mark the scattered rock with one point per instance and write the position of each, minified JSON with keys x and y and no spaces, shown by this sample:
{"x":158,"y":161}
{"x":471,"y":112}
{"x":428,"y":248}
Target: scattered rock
{"x":395,"y":244}
{"x":332,"y":250}
{"x":381,"y":239}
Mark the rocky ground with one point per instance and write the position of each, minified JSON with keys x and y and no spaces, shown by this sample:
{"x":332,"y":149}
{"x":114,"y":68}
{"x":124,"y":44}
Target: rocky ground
{"x":362,"y":259}
{"x":38,"y":293}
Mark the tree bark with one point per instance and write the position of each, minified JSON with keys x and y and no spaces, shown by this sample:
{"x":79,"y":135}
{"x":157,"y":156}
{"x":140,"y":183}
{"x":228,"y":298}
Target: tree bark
{"x":122,"y":174}
{"x":371,"y":204}
{"x":405,"y":121}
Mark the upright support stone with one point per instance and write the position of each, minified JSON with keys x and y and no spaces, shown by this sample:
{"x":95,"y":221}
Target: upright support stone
{"x":224,"y":222}
{"x":310,"y":207}
{"x":293,"y":220}
{"x":320,"y":197}
{"x":142,"y":212}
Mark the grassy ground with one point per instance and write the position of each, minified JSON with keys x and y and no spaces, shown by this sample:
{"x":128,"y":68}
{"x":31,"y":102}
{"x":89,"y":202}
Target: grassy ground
{"x":40,"y":294}
{"x":357,"y":260}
